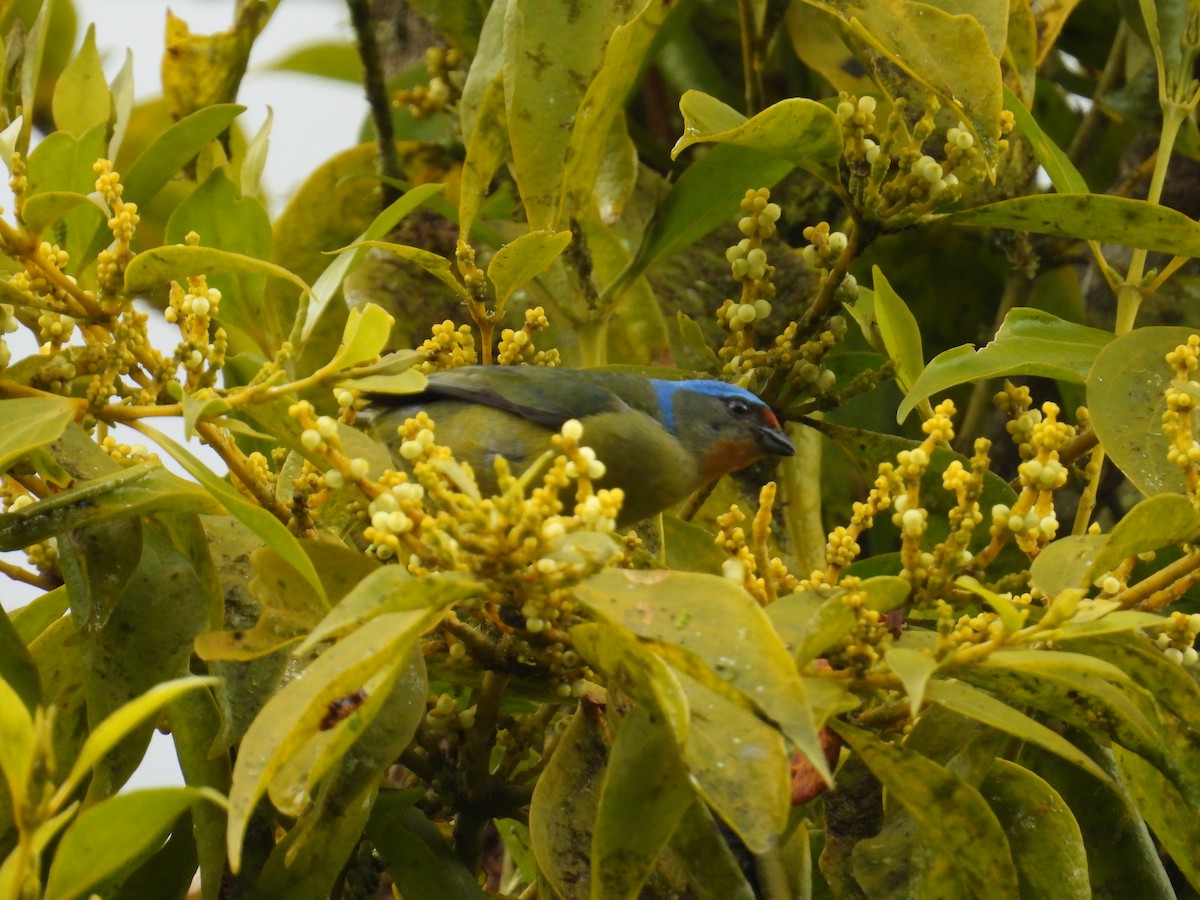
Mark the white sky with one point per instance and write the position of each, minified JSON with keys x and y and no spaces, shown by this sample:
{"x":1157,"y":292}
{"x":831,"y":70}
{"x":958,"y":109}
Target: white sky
{"x":313,"y":119}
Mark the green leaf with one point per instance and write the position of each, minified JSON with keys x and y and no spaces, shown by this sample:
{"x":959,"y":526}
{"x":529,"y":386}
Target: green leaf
{"x":739,"y":765}
{"x":601,"y":111}
{"x":138,"y":489}
{"x":437,"y":266}
{"x":519,"y":261}
{"x":714,"y":871}
{"x":97,"y":564}
{"x":158,"y":266}
{"x":1171,"y":685}
{"x":705,"y":197}
{"x":899,"y":331}
{"x":225,"y":220}
{"x":46,"y":208}
{"x":266,"y":526}
{"x":81,"y":98}
{"x":906,"y":49}
{"x":365,"y":336}
{"x":388,"y":589}
{"x":334,"y":59}
{"x":37,"y":615}
{"x":1029,"y":342}
{"x":983,"y":707}
{"x":1061,"y":171}
{"x":17,"y":747}
{"x":1091,"y":217}
{"x":1170,"y":816}
{"x":1079,"y":689}
{"x":415,"y":853}
{"x":1122,"y":860}
{"x":953,"y":817}
{"x":1125,"y":397}
{"x":551,"y":54}
{"x":718,"y":622}
{"x":487,"y":150}
{"x":294,"y":715}
{"x":1163,"y":520}
{"x":27,"y":423}
{"x":914,"y":669}
{"x":1065,"y":563}
{"x":798,"y":131}
{"x":114,"y":836}
{"x":644,"y":793}
{"x":166,"y":155}
{"x":1043,"y":835}
{"x":563,"y":810}
{"x":641,"y":673}
{"x":115,"y":727}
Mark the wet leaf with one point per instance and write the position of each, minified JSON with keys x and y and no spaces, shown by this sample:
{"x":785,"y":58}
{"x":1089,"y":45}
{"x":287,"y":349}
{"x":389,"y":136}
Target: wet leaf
{"x":136,"y":490}
{"x":983,"y":707}
{"x":293,"y":716}
{"x":1046,"y":843}
{"x":952,"y":816}
{"x":644,"y":793}
{"x":563,"y":810}
{"x":719,"y":623}
{"x":739,"y":764}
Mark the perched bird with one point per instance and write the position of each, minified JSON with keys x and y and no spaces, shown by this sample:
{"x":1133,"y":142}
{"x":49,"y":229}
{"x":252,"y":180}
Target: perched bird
{"x":659,"y":440}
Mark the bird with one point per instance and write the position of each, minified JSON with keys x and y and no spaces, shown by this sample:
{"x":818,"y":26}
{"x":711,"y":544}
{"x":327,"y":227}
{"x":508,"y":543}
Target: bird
{"x":659,"y":440}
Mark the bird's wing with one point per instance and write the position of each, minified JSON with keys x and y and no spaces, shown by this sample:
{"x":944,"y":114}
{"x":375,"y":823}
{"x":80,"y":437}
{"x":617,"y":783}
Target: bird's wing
{"x":544,"y":396}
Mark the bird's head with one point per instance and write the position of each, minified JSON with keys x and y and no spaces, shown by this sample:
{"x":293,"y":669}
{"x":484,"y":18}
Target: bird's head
{"x":723,"y":426}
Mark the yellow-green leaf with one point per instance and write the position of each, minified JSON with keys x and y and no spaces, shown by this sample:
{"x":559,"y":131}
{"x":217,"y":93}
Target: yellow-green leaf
{"x":798,"y":131}
{"x":273,"y":532}
{"x":81,"y":98}
{"x":1125,"y":398}
{"x":1029,"y":342}
{"x":523,"y":259}
{"x":27,"y":423}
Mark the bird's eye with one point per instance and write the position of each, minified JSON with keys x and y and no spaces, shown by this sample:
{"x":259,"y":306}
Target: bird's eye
{"x":738,"y":407}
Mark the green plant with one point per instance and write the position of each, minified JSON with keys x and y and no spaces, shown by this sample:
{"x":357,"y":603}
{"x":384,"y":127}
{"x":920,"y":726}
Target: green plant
{"x":375,"y":676}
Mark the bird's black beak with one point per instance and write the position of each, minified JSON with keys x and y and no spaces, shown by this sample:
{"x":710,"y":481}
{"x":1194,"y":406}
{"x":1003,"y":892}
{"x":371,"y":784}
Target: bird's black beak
{"x":773,"y":440}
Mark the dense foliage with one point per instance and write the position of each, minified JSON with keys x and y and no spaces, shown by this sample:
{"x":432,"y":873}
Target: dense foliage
{"x":946,"y":650}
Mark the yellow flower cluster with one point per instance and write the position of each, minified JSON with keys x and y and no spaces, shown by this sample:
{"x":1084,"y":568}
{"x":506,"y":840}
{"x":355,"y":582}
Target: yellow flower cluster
{"x":521,"y":542}
{"x":765,"y":577}
{"x":194,"y":310}
{"x":892,"y":178}
{"x":518,"y":347}
{"x":1182,"y":397}
{"x":122,"y":222}
{"x":447,"y":75}
{"x":448,"y":347}
{"x":862,"y":649}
